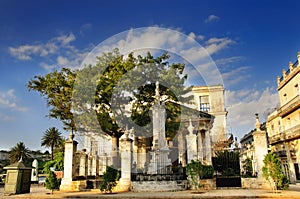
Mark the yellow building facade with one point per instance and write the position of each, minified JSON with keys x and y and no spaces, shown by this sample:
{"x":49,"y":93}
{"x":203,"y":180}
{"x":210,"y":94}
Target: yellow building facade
{"x":283,"y":125}
{"x":211,"y":99}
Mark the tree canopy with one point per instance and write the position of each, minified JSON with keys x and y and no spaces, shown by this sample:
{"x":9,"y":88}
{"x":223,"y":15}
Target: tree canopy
{"x":114,"y":80}
{"x":19,"y":151}
{"x":52,"y":138}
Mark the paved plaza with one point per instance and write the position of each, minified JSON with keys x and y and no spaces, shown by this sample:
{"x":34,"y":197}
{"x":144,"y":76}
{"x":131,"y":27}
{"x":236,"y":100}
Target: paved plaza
{"x":41,"y":192}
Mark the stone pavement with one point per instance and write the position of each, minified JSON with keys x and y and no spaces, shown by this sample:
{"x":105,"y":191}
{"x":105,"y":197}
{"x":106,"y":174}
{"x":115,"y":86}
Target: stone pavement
{"x":41,"y":192}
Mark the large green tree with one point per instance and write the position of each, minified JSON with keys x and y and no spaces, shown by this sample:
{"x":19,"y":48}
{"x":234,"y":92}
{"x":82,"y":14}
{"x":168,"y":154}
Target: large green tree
{"x":52,"y":138}
{"x":19,"y":151}
{"x":111,"y":81}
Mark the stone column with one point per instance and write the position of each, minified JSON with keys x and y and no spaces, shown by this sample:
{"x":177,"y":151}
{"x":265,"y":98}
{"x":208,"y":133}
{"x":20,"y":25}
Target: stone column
{"x":208,"y":147}
{"x":260,"y":148}
{"x":83,"y":164}
{"x":69,"y":164}
{"x":102,"y":163}
{"x":95,"y":165}
{"x":114,"y":152}
{"x":200,"y":147}
{"x":292,"y":172}
{"x":181,"y":149}
{"x":126,"y":162}
{"x":191,"y":141}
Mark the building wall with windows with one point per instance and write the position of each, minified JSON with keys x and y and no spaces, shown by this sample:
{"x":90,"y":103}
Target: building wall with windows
{"x":210,"y":99}
{"x":283,"y":124}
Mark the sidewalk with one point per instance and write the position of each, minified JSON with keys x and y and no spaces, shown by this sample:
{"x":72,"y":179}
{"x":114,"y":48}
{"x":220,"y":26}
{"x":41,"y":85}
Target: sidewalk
{"x":41,"y":192}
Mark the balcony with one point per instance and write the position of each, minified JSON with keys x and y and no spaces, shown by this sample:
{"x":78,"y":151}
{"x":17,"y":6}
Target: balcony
{"x":281,"y":154}
{"x":287,"y":135}
{"x":289,"y":107}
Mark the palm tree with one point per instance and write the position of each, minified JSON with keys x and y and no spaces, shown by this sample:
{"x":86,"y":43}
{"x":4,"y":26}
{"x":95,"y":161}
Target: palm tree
{"x":19,"y":151}
{"x":52,"y":138}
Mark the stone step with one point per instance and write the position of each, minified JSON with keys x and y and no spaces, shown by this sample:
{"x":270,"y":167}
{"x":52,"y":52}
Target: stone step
{"x":140,"y":186}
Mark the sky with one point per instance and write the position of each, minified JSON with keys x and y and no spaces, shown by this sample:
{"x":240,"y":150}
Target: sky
{"x":250,"y":43}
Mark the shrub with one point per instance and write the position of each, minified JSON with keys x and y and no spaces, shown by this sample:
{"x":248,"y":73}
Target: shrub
{"x":51,"y":182}
{"x":273,"y":172}
{"x":196,"y":171}
{"x":110,"y":178}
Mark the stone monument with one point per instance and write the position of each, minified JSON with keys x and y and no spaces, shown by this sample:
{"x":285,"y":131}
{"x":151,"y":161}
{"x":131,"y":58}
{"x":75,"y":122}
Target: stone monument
{"x":160,"y":161}
{"x":34,"y":172}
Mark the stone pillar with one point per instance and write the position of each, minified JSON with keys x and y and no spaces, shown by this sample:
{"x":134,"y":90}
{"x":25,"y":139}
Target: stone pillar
{"x":200,"y":147}
{"x":126,"y":162}
{"x":69,"y":164}
{"x":260,"y":147}
{"x":114,"y":152}
{"x":90,"y":161}
{"x":181,"y":149}
{"x":208,"y":150}
{"x":102,"y":164}
{"x":95,"y":165}
{"x":34,"y":172}
{"x":292,"y":172}
{"x":191,"y":141}
{"x":83,"y":164}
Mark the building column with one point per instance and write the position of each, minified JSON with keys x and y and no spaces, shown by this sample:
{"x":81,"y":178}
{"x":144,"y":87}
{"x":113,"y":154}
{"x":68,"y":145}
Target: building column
{"x":260,"y":147}
{"x":115,"y":152}
{"x":292,"y":172}
{"x":200,"y":147}
{"x":83,"y":164}
{"x":126,"y":162}
{"x":191,"y":140}
{"x":208,"y":147}
{"x":181,"y":149}
{"x":69,"y":164}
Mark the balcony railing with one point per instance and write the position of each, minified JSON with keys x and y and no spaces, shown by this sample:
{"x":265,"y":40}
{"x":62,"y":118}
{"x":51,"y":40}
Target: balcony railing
{"x":289,"y":134}
{"x":281,"y":153}
{"x":289,"y":107}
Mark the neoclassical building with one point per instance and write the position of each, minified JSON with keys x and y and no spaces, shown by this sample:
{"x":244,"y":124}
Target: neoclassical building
{"x":211,"y":99}
{"x":283,"y":125}
{"x":210,"y":124}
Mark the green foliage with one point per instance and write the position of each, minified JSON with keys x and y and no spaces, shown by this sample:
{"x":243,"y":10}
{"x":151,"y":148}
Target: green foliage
{"x":227,"y":163}
{"x":18,"y":151}
{"x":273,"y":172}
{"x":62,"y":94}
{"x":247,"y":168}
{"x":110,"y":178}
{"x":196,"y":171}
{"x":52,"y":138}
{"x":57,"y":163}
{"x":51,"y":182}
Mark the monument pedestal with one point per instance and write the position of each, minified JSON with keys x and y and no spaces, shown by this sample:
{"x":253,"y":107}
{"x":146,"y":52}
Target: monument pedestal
{"x":126,"y":162}
{"x":69,"y":165}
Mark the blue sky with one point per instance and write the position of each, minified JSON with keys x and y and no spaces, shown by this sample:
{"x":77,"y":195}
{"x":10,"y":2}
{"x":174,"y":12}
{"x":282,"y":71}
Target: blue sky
{"x":250,"y":42}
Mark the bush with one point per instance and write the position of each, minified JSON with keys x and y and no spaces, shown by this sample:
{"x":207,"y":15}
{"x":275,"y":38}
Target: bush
{"x":273,"y":172}
{"x":51,"y":182}
{"x":196,"y":171}
{"x":110,"y":178}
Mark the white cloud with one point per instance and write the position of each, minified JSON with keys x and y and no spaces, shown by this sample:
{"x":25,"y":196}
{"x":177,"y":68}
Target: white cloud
{"x":55,"y":53}
{"x":229,"y":60}
{"x":65,"y":39}
{"x":243,"y":104}
{"x":236,"y":75}
{"x":214,"y":45}
{"x":8,"y":100}
{"x":211,"y":18}
{"x":62,"y":60}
